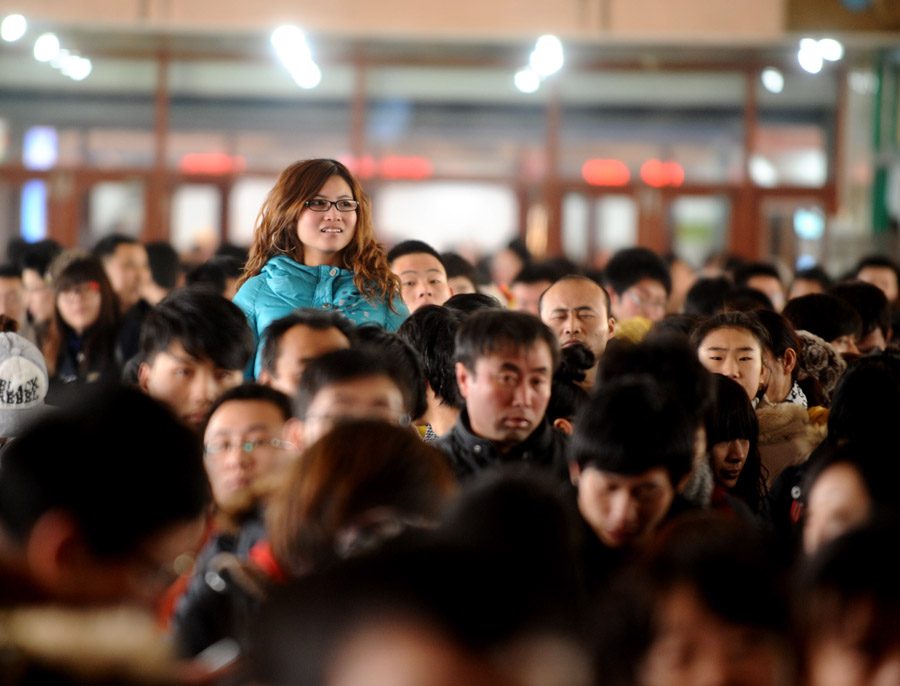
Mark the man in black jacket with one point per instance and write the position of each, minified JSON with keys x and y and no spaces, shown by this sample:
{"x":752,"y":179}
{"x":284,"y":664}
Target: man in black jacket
{"x":504,"y":368}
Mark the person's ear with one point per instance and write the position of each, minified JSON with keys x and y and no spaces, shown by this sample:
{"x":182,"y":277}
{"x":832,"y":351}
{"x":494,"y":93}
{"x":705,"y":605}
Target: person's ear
{"x":264,"y":378}
{"x":293,"y":433}
{"x":764,"y":375}
{"x":55,"y":551}
{"x":574,"y":473}
{"x":789,"y":361}
{"x":564,"y":425}
{"x":463,"y":377}
{"x":144,"y":377}
{"x":612,"y":327}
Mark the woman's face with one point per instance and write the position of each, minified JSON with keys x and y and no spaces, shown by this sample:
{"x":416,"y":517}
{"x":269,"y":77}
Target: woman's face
{"x":79,"y":305}
{"x":838,"y":501}
{"x":324,"y":235}
{"x":728,"y":458}
{"x":735,"y":353}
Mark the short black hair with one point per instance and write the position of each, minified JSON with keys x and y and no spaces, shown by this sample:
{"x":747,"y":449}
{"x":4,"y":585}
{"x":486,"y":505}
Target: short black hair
{"x":631,"y":265}
{"x":747,"y":271}
{"x":38,"y":256}
{"x":404,"y":360}
{"x":467,"y":303}
{"x":707,"y":296}
{"x":489,"y":331}
{"x":431,"y":330}
{"x":744,"y":298}
{"x":817,"y":274}
{"x":866,"y":401}
{"x":781,"y":336}
{"x":340,"y":366}
{"x":878,"y":261}
{"x":10,"y":271}
{"x":535,"y":272}
{"x":164,"y":264}
{"x":870,"y":303}
{"x":629,"y":426}
{"x":306,"y":316}
{"x":825,"y":315}
{"x":412,"y":247}
{"x":457,"y":265}
{"x":119,"y":463}
{"x":206,"y":325}
{"x":107,"y":245}
{"x":253,"y":392}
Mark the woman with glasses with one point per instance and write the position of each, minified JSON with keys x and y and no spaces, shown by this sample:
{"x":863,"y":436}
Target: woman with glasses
{"x":314,"y":246}
{"x":80,"y":344}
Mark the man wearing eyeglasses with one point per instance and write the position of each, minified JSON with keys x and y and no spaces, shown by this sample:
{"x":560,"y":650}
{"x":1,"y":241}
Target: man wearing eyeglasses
{"x":639,"y":283}
{"x":504,"y":368}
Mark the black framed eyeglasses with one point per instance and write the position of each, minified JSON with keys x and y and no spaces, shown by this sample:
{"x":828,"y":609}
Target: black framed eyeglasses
{"x":319,"y":205}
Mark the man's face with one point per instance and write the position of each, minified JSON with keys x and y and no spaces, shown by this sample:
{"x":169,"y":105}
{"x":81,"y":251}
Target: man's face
{"x":367,"y":397}
{"x":525,"y":296}
{"x":507,"y":392}
{"x":187,"y":384}
{"x":576,"y":311}
{"x":39,"y":297}
{"x":873,"y":341}
{"x":624,"y":510}
{"x":128,"y":270}
{"x":297,"y":347}
{"x":771,"y":287}
{"x":883,"y":277}
{"x":423,"y":280}
{"x":646,"y":298}
{"x":233,"y":427}
{"x":12,"y":298}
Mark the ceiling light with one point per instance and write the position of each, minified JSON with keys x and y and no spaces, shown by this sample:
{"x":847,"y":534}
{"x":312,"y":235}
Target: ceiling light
{"x":772,"y":79}
{"x":527,"y":80}
{"x":13,"y":28}
{"x":46,"y":47}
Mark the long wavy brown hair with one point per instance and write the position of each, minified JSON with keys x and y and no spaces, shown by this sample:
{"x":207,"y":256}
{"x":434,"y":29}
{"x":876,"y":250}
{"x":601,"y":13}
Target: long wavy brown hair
{"x":99,"y":337}
{"x":276,"y":228}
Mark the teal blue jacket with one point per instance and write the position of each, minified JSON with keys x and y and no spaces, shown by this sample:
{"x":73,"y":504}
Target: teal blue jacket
{"x":284,"y":285}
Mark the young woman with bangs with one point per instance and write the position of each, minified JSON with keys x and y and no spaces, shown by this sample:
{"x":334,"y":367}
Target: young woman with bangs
{"x":314,"y":246}
{"x":80,"y":343}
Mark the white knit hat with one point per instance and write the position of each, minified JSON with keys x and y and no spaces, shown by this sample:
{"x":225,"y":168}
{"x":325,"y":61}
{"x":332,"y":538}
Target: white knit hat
{"x":23,"y":383}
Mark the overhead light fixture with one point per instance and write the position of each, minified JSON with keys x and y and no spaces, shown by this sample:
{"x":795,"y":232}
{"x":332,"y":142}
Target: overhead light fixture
{"x":45,"y":47}
{"x":13,"y":28}
{"x":293,"y":51}
{"x":831,"y":49}
{"x":527,"y":80}
{"x":772,"y":79}
{"x":547,"y":57}
{"x":810,"y":56}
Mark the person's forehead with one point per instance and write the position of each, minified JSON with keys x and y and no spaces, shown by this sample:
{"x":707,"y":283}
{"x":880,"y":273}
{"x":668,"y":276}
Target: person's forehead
{"x":301,"y":335}
{"x":239,"y":415}
{"x":129,"y":251}
{"x":653,"y":476}
{"x":361,"y":388}
{"x":730,"y":337}
{"x":419,"y":262}
{"x":176,"y":352}
{"x":537,"y":352}
{"x":8,"y":283}
{"x":877,"y":272}
{"x":572,"y":294}
{"x":650,"y":286}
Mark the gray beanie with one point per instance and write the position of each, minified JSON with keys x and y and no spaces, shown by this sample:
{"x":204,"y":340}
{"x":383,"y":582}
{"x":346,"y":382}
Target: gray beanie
{"x":23,"y":384}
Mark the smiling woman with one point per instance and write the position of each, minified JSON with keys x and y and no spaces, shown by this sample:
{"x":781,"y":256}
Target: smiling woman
{"x":314,"y":247}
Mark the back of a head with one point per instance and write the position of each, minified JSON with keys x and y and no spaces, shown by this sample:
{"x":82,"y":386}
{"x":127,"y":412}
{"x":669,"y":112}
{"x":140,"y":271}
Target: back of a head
{"x":431,"y":330}
{"x":537,"y":272}
{"x":866,"y":400}
{"x":467,"y":303}
{"x":747,"y":271}
{"x":631,"y":265}
{"x":344,"y":485}
{"x":489,"y":331}
{"x":629,"y":426}
{"x":164,"y":264}
{"x":870,"y":304}
{"x":457,"y":265}
{"x":743,"y":298}
{"x":38,"y":256}
{"x":404,"y":361}
{"x":672,"y":363}
{"x":204,"y":323}
{"x":707,"y":295}
{"x":120,"y":464}
{"x":318,"y":320}
{"x":825,"y":315}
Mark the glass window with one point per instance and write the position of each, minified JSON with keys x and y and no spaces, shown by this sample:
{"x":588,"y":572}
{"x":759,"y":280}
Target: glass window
{"x":699,"y":226}
{"x":196,"y":216}
{"x":115,"y":207}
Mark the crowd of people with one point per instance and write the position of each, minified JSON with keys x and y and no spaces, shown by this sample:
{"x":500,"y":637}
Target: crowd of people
{"x":326,"y":463}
